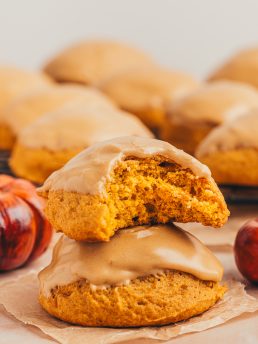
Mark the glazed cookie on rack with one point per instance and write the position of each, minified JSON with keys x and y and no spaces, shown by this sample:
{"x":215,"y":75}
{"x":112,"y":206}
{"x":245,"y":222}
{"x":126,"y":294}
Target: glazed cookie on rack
{"x":49,"y":142}
{"x":28,"y":108}
{"x":192,"y":117}
{"x":146,"y":91}
{"x":92,"y":284}
{"x":15,"y":82}
{"x":231,"y":151}
{"x":93,"y":61}
{"x":130,"y":181}
{"x":242,"y":67}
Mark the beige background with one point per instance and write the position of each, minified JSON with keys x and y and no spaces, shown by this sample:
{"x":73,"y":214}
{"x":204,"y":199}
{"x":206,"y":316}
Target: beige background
{"x":193,"y":35}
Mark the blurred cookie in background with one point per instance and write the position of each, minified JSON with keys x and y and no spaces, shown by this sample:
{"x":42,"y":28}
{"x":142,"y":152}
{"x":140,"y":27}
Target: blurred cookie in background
{"x":93,"y":61}
{"x":243,"y":67}
{"x":49,"y":142}
{"x":13,"y":83}
{"x":191,"y":118}
{"x":231,"y":151}
{"x":146,"y":91}
{"x":25,"y":109}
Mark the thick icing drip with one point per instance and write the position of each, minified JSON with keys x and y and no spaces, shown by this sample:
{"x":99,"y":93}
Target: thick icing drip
{"x":136,"y":252}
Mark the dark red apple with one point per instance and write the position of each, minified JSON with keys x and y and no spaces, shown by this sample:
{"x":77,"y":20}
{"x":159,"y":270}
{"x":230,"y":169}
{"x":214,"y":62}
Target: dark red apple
{"x":246,"y":250}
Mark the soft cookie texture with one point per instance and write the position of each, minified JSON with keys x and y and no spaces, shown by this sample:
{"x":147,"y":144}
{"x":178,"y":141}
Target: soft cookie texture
{"x":242,"y":67}
{"x":92,"y":284}
{"x":49,"y":142}
{"x":146,"y":91}
{"x":14,"y":83}
{"x":153,"y":300}
{"x":28,"y":108}
{"x":130,"y":181}
{"x":91,"y":62}
{"x":231,"y":151}
{"x":191,"y":118}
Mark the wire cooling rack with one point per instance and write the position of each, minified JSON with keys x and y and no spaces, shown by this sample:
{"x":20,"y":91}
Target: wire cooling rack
{"x":4,"y":166}
{"x":240,"y":194}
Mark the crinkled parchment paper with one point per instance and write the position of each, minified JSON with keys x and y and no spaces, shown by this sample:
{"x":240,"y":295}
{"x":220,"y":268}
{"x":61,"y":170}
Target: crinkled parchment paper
{"x":20,"y":299}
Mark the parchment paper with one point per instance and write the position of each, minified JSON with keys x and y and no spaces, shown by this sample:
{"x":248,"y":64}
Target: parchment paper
{"x":20,"y":299}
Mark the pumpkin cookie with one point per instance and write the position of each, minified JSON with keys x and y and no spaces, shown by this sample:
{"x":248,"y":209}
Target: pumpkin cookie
{"x":15,"y":82}
{"x":49,"y":142}
{"x":29,"y":107}
{"x":91,"y":284}
{"x":192,"y":117}
{"x":130,"y":181}
{"x":91,"y":62}
{"x":146,"y":91}
{"x":231,"y":151}
{"x":242,"y":67}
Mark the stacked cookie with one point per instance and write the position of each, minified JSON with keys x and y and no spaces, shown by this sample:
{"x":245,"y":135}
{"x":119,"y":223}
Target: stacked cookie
{"x":122,"y":262}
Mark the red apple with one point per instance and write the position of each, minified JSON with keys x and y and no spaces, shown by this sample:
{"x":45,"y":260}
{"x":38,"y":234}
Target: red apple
{"x":246,"y":250}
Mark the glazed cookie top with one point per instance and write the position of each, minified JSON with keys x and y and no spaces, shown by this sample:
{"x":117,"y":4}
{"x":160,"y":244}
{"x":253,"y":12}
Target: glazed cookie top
{"x":29,"y":107}
{"x":213,"y":103}
{"x":146,"y":87}
{"x":79,"y":125}
{"x":243,"y":67}
{"x":164,"y":247}
{"x":240,"y":133}
{"x":15,"y":82}
{"x":90,"y":62}
{"x":89,"y":170}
